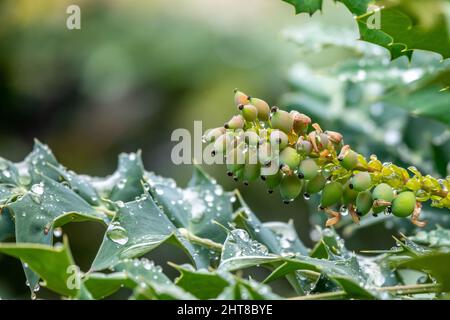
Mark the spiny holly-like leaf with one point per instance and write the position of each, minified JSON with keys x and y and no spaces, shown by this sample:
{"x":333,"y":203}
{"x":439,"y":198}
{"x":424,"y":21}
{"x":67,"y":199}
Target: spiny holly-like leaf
{"x":138,"y":227}
{"x":129,"y":175}
{"x":48,"y":204}
{"x":197,"y":207}
{"x":53,"y":264}
{"x":278,"y":237}
{"x":435,"y":263}
{"x":147,"y":280}
{"x":399,"y":31}
{"x":308,"y":6}
{"x":240,"y":251}
{"x":200,"y":283}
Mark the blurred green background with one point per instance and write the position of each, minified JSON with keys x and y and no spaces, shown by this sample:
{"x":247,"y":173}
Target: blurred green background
{"x":138,"y":70}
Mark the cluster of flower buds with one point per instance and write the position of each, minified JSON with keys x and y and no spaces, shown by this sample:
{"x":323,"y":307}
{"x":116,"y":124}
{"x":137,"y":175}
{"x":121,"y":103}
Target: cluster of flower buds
{"x":294,"y":155}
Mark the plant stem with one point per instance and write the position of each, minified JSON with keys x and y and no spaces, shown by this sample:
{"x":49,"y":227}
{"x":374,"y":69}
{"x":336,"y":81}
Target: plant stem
{"x":322,"y":296}
{"x":201,"y":241}
{"x":412,"y":289}
{"x":399,"y":290}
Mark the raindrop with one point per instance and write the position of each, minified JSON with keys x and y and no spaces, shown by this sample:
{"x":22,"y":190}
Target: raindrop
{"x":38,"y":188}
{"x":120,"y":204}
{"x":57,"y":232}
{"x":117,"y":233}
{"x":121,"y":183}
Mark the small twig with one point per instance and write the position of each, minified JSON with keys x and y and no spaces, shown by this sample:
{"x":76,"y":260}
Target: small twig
{"x":399,"y":290}
{"x":201,"y":241}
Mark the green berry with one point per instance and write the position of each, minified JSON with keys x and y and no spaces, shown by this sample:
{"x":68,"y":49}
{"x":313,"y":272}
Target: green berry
{"x":290,"y":187}
{"x":251,"y":172}
{"x":383,"y":191}
{"x":240,"y":98}
{"x":265,"y":152}
{"x":304,"y":146}
{"x":348,"y":195}
{"x":361,"y":181}
{"x":404,"y":204}
{"x":279,"y":138}
{"x":331,"y":194}
{"x":282,"y":120}
{"x":364,"y":202}
{"x":251,"y":138}
{"x":249,"y":112}
{"x":290,"y":157}
{"x":235,"y":159}
{"x":236,"y":122}
{"x":223,"y":142}
{"x":262,"y":107}
{"x":350,"y":160}
{"x":308,"y":169}
{"x":213,"y":134}
{"x":316,"y":184}
{"x":273,"y":181}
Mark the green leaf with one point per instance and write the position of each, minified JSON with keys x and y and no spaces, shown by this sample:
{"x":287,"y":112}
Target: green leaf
{"x":308,"y":6}
{"x":6,"y":224}
{"x":278,"y":237}
{"x":138,"y":227}
{"x":240,"y":251}
{"x":46,"y":205}
{"x":128,"y":177}
{"x":202,"y":284}
{"x":197,"y":207}
{"x":400,"y":31}
{"x":435,"y":263}
{"x":143,"y":275}
{"x":52,"y":264}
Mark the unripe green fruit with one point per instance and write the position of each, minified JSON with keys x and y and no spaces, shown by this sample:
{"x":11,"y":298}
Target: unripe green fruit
{"x":383,"y":191}
{"x":290,"y":157}
{"x":273,"y":181}
{"x":235,"y":160}
{"x":240,"y":98}
{"x":282,"y":120}
{"x":279,"y":138}
{"x":331,"y":194}
{"x":262,"y":107}
{"x":404,"y":204}
{"x":290,"y":187}
{"x":237,"y":122}
{"x":364,"y":202}
{"x":265,"y":152}
{"x":316,"y":184}
{"x":238,"y":175}
{"x":349,"y":195}
{"x":223,"y":142}
{"x":308,"y":169}
{"x":301,"y":122}
{"x":350,"y":160}
{"x":303,"y":146}
{"x":249,"y":112}
{"x":251,"y":172}
{"x":251,"y":138}
{"x":361,"y":181}
{"x":213,"y":134}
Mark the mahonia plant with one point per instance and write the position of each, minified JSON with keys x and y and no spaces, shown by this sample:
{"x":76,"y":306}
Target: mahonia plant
{"x":293,"y":154}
